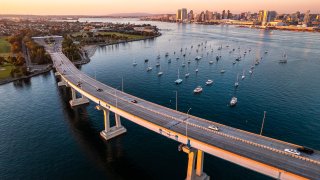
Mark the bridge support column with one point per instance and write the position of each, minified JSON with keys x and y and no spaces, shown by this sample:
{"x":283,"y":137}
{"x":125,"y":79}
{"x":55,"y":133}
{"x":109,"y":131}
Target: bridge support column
{"x":77,"y":101}
{"x":195,"y":164}
{"x":111,"y":132}
{"x":62,"y":83}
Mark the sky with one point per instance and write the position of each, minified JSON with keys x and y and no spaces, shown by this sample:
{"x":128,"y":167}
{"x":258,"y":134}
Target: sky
{"x":105,"y":7}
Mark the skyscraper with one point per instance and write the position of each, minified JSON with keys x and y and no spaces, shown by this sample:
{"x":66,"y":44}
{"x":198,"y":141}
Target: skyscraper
{"x":228,"y":15}
{"x":190,"y":16}
{"x":306,"y":19}
{"x":178,"y":18}
{"x":184,"y":14}
{"x":209,"y":15}
{"x":223,"y":16}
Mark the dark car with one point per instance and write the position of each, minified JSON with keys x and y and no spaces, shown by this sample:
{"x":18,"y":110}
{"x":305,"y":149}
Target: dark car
{"x":99,"y":90}
{"x":134,"y":101}
{"x":79,"y":84}
{"x":305,"y":150}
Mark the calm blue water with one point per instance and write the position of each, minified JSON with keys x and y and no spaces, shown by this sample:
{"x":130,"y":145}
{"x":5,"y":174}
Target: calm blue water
{"x":41,"y":137}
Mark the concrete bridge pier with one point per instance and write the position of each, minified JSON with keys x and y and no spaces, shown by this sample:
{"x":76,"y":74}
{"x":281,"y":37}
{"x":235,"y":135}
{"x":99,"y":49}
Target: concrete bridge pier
{"x":111,"y":132}
{"x":195,"y":164}
{"x":77,"y":101}
{"x":62,"y":82}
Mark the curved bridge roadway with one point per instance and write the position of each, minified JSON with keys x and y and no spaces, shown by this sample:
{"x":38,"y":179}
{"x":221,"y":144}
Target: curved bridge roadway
{"x":259,"y":153}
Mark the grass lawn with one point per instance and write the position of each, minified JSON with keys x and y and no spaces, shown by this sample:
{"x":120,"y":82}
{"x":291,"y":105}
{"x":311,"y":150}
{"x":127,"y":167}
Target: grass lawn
{"x":130,"y":36}
{"x":5,"y":71}
{"x":5,"y":47}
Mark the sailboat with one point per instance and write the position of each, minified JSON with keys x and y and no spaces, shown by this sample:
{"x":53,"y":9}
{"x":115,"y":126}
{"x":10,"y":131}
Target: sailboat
{"x":243,"y":76}
{"x":198,"y":89}
{"x":233,"y":101}
{"x":149,"y":68}
{"x":160,"y":72}
{"x":284,"y":58}
{"x":209,"y":82}
{"x":134,"y":63}
{"x":178,"y":81}
{"x":236,"y":84}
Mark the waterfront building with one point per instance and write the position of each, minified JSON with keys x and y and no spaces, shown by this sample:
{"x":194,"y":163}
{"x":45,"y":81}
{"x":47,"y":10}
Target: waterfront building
{"x":184,"y":15}
{"x":229,"y":15}
{"x":209,"y":15}
{"x":223,"y":15}
{"x":178,"y":18}
{"x":191,"y":16}
{"x":266,"y":16}
{"x":306,"y":19}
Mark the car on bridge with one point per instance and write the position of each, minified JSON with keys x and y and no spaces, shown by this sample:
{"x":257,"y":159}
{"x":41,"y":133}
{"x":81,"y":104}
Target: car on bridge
{"x":134,"y":101}
{"x":212,"y":127}
{"x":292,"y":151}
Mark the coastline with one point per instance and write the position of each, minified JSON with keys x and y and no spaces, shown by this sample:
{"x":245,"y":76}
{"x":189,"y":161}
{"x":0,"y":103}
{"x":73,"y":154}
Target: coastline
{"x":9,"y":80}
{"x":91,"y":48}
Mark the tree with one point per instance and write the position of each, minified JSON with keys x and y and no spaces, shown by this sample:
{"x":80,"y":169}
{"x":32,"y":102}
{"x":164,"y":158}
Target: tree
{"x":2,"y":60}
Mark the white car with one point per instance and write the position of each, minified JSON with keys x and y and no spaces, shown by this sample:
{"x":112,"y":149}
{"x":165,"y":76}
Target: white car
{"x":293,"y":151}
{"x":212,"y":127}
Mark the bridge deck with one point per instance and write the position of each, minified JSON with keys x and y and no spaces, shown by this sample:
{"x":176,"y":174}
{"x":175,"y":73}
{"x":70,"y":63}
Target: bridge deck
{"x":259,"y":148}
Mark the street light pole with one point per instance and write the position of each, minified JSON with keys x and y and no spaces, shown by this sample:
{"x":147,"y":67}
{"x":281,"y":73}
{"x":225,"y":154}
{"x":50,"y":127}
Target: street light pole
{"x":188,"y":141}
{"x":264,"y":116}
{"x":115,"y":94}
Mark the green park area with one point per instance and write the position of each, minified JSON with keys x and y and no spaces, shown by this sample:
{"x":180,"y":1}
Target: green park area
{"x":5,"y":51}
{"x":5,"y":47}
{"x":5,"y":71}
{"x":110,"y":35}
{"x":129,"y":36}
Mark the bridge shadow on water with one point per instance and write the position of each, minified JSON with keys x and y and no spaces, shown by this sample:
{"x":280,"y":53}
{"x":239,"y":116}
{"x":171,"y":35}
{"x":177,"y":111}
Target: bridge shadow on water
{"x":108,"y":157}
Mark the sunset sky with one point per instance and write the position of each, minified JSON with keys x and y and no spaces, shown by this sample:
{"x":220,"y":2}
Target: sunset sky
{"x":104,"y":7}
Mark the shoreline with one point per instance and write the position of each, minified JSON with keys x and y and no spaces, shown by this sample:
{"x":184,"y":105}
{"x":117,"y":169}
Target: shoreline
{"x":84,"y":59}
{"x":239,"y":25}
{"x":9,"y":80}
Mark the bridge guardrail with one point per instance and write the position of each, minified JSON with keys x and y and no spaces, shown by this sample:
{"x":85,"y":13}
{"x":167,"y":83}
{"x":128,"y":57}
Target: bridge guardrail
{"x":205,"y":128}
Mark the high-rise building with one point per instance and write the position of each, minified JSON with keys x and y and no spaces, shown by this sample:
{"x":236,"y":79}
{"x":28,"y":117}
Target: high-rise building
{"x":190,"y":15}
{"x":306,"y":19}
{"x":223,"y":16}
{"x":266,"y":16}
{"x":260,"y":16}
{"x":184,"y":14}
{"x":271,"y":16}
{"x":178,"y":18}
{"x":209,"y":15}
{"x":229,"y":15}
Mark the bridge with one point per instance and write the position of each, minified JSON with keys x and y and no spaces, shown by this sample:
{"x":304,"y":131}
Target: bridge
{"x":256,"y":152}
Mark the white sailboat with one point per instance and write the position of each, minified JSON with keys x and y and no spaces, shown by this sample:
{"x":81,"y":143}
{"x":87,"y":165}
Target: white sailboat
{"x":233,"y":101}
{"x":209,"y":82}
{"x":236,"y":84}
{"x":149,"y":68}
{"x":187,"y":74}
{"x":178,"y":81}
{"x":160,"y":72}
{"x":134,"y":63}
{"x":198,"y":89}
{"x":284,"y":58}
{"x":243,"y":76}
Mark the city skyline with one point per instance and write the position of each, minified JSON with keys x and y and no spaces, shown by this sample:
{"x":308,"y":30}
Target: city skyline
{"x":96,"y":7}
